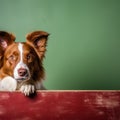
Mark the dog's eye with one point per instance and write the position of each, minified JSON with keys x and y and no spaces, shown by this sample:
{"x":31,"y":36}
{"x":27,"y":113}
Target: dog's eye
{"x":28,"y":57}
{"x":12,"y":57}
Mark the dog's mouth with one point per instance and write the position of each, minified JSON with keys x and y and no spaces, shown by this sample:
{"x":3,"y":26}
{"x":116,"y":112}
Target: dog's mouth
{"x":21,"y":78}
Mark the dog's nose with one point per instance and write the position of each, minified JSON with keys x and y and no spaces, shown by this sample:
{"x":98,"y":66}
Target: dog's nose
{"x":22,"y":72}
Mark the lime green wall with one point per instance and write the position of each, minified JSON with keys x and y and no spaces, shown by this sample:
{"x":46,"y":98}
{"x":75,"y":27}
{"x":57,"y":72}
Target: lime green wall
{"x":84,"y":45}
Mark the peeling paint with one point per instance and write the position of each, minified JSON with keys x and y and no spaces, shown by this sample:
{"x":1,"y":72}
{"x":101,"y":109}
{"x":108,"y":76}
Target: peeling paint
{"x":2,"y":110}
{"x":109,"y":102}
{"x":60,"y":106}
{"x":4,"y":96}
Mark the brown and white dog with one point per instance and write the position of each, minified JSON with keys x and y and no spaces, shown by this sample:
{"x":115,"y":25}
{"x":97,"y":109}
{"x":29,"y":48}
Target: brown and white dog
{"x":21,"y":62}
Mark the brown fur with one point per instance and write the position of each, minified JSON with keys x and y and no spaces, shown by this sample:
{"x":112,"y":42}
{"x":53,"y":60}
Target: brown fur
{"x":33,"y":54}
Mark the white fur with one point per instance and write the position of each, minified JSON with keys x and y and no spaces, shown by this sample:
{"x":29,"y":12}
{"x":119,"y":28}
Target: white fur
{"x":20,"y":48}
{"x":27,"y":89}
{"x":8,"y":84}
{"x":20,"y":64}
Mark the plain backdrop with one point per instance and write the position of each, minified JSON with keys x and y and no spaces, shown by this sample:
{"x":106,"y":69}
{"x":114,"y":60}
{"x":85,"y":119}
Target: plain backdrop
{"x":84,"y":44}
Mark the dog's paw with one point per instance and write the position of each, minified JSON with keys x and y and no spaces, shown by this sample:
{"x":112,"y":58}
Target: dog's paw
{"x":27,"y":89}
{"x":8,"y":84}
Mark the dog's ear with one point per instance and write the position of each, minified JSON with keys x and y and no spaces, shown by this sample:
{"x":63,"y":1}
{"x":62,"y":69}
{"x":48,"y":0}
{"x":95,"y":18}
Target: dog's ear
{"x":38,"y":39}
{"x":5,"y":40}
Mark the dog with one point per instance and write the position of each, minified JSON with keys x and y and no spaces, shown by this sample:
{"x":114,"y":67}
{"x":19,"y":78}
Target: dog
{"x":21,"y":63}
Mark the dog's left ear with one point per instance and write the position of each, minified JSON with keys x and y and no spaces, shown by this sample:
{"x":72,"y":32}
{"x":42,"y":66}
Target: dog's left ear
{"x":38,"y":39}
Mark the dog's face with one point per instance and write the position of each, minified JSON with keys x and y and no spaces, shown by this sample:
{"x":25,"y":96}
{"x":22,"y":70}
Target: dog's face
{"x":23,"y":61}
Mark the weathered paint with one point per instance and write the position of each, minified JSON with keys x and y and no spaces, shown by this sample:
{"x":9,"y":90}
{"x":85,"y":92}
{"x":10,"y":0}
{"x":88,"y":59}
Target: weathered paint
{"x":61,"y":105}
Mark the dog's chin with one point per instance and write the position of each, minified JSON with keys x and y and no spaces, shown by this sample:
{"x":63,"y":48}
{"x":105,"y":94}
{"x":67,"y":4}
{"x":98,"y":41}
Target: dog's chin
{"x":20,"y":79}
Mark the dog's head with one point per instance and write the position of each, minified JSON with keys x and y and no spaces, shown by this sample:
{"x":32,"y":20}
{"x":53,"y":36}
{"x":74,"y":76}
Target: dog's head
{"x":23,"y":60}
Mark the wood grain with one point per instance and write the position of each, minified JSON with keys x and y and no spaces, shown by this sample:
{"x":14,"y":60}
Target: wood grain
{"x":61,"y":105}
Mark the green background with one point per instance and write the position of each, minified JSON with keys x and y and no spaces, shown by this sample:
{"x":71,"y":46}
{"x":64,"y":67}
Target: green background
{"x":84,"y":45}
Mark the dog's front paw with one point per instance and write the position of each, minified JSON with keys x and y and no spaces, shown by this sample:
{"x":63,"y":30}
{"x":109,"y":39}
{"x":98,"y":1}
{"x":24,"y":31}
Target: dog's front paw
{"x":27,"y":89}
{"x":8,"y":84}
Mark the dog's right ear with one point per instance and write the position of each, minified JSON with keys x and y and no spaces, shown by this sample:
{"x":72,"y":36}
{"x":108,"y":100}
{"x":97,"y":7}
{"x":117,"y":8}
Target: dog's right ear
{"x":5,"y":40}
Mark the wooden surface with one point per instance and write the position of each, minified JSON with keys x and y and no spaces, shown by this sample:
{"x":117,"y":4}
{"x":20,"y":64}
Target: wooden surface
{"x":61,"y":105}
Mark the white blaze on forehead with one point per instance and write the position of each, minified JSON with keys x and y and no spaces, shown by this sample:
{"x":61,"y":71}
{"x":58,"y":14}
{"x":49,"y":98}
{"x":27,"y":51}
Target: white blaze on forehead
{"x":20,"y":48}
{"x":20,"y":64}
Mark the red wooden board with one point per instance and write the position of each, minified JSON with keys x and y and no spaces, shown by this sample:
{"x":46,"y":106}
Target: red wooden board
{"x":61,"y":105}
